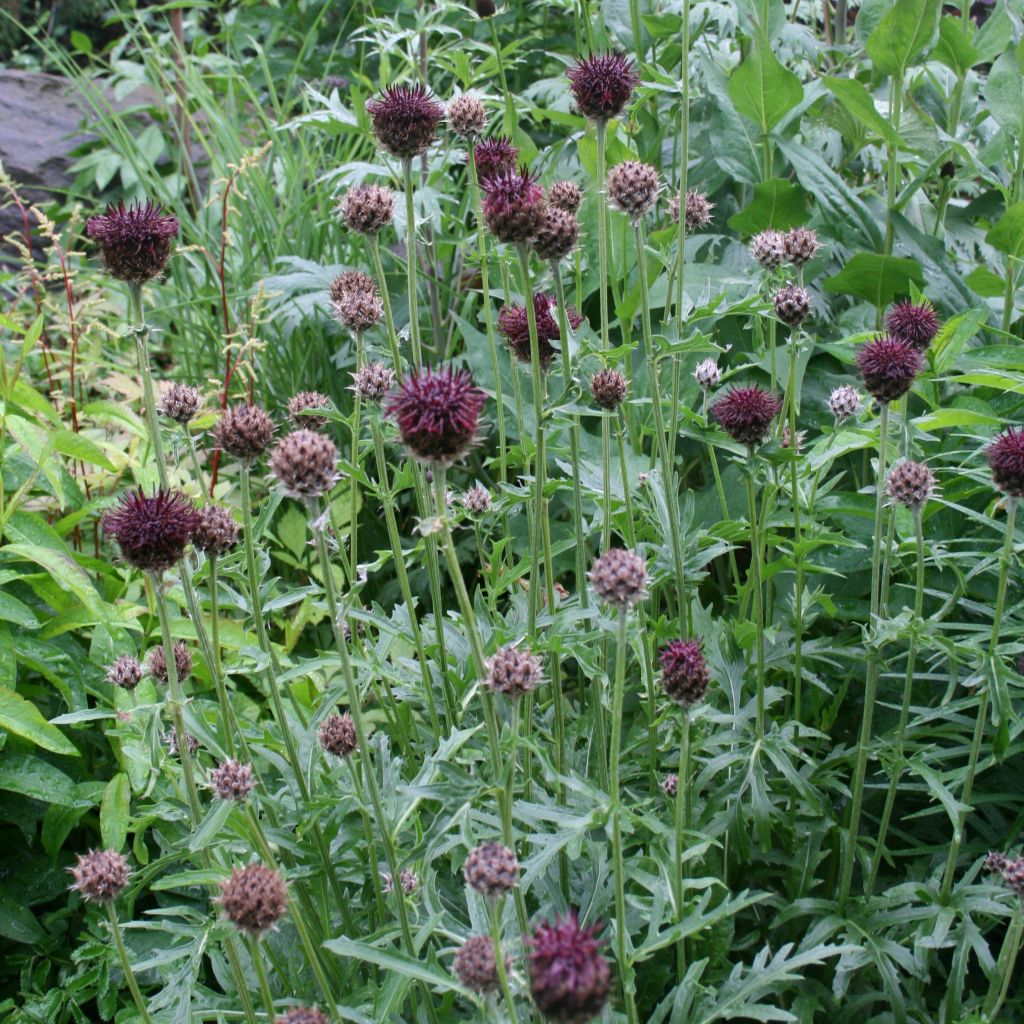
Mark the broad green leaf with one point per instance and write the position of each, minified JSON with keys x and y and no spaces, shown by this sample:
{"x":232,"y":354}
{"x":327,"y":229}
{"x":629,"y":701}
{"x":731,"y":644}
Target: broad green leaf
{"x":115,"y":810}
{"x":1004,"y":92}
{"x":1007,"y":234}
{"x":17,"y":922}
{"x":878,"y":279}
{"x":32,"y":777}
{"x":13,"y":610}
{"x":954,"y":49}
{"x":392,"y":960}
{"x":854,"y":96}
{"x":22,"y":717}
{"x":986,"y":283}
{"x":64,"y":570}
{"x":79,"y":448}
{"x":908,"y":31}
{"x":762,"y":89}
{"x":777,"y":203}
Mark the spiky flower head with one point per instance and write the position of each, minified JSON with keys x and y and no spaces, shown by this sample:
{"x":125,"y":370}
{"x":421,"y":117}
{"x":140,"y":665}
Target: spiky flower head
{"x":475,"y":966}
{"x":619,"y":578}
{"x":407,"y":879}
{"x":216,"y":533}
{"x":467,"y":116}
{"x":633,"y":188}
{"x":305,"y":464}
{"x":125,"y":671}
{"x":404,"y":119}
{"x":373,"y":381}
{"x":1006,"y":458}
{"x":437,"y":412}
{"x":303,"y":1015}
{"x":670,"y":784}
{"x":513,"y":205}
{"x":476,"y":500}
{"x":254,"y":899}
{"x":338,"y":735}
{"x":491,"y":869}
{"x":156,"y":663}
{"x":367,"y":209}
{"x":135,"y":241}
{"x":494,"y":156}
{"x":179,"y":402}
{"x":844,"y":402}
{"x":708,"y":374}
{"x":569,"y":978}
{"x":746,"y":413}
{"x":557,"y":234}
{"x":911,"y":484}
{"x":684,"y":672}
{"x":302,"y":410}
{"x":888,"y":367}
{"x":514,"y":327}
{"x":171,"y":742}
{"x":566,"y":195}
{"x":769,"y":249}
{"x":602,"y":84}
{"x":1013,"y":875}
{"x":354,"y":301}
{"x":514,"y":671}
{"x":100,"y":876}
{"x":232,"y":780}
{"x":608,"y":388}
{"x":152,"y":532}
{"x":800,"y":245}
{"x":697,"y":210}
{"x":995,"y":862}
{"x":786,"y":440}
{"x":792,"y":305}
{"x":916,"y":325}
{"x":244,"y":431}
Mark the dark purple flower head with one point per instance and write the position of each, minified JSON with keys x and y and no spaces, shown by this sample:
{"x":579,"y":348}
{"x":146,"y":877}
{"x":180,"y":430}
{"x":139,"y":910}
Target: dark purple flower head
{"x":135,"y":241}
{"x":602,"y":84}
{"x":915,"y":325}
{"x":514,"y":326}
{"x":437,"y":412}
{"x":405,"y":118}
{"x":888,"y":367}
{"x":475,"y":965}
{"x":1006,"y":457}
{"x":513,"y":205}
{"x":746,"y":414}
{"x":254,"y":898}
{"x":569,"y":978}
{"x":493,"y":156}
{"x":684,"y":672}
{"x":152,"y":532}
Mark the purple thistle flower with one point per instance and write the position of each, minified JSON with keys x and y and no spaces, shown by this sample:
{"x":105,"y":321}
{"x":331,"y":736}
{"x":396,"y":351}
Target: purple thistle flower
{"x":569,"y":978}
{"x":513,"y":205}
{"x":100,"y":875}
{"x":888,"y":367}
{"x":914,"y":325}
{"x":152,"y":532}
{"x":602,"y":84}
{"x":746,"y":414}
{"x":135,"y":241}
{"x":437,"y":412}
{"x":684,"y":672}
{"x":514,"y":327}
{"x":1006,"y":458}
{"x":405,"y":118}
{"x":494,"y":156}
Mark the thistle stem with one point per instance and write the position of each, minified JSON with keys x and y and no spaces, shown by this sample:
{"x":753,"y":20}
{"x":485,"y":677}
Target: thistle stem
{"x":385,"y":295}
{"x":908,"y":689}
{"x":871,"y":687}
{"x":256,"y":956}
{"x":1004,"y":972}
{"x":494,"y":919}
{"x":798,"y":559}
{"x":410,"y":263}
{"x":982,"y":714}
{"x":601,"y":132}
{"x":682,"y":822}
{"x":755,"y":569}
{"x":126,"y":966}
{"x":615,"y":753}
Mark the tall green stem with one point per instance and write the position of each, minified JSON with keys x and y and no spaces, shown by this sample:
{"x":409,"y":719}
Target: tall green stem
{"x":615,"y":754}
{"x":1004,"y":972}
{"x":798,"y":558}
{"x":849,"y":855}
{"x":684,"y":155}
{"x":908,"y":689}
{"x":494,"y":919}
{"x":411,"y":263}
{"x":755,"y":569}
{"x":256,"y":955}
{"x":385,"y":295}
{"x":980,"y":721}
{"x":893,"y":170}
{"x":682,"y":822}
{"x":601,"y":132}
{"x":126,"y":965}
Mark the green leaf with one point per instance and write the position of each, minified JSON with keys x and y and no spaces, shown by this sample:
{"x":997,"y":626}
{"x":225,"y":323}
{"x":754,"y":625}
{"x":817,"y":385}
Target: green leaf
{"x":878,"y":279}
{"x":1007,"y":234}
{"x":64,"y":570}
{"x":854,"y":96}
{"x":22,"y":717}
{"x":13,"y":610}
{"x":908,"y":31}
{"x":17,"y":922}
{"x":81,"y":42}
{"x":985,"y":282}
{"x":115,"y":810}
{"x":80,"y":448}
{"x":32,"y":777}
{"x":777,"y":203}
{"x":393,"y":961}
{"x":954,"y":49}
{"x":762,"y":89}
{"x":1004,"y":92}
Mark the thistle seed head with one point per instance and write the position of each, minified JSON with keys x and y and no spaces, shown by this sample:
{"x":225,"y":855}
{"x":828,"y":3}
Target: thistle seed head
{"x":179,"y":403}
{"x":708,"y":374}
{"x":565,"y":195}
{"x":491,"y":869}
{"x":338,"y":735}
{"x":633,"y":188}
{"x":844,"y":402}
{"x":467,"y":116}
{"x":302,"y":409}
{"x":373,"y":381}
{"x":557,"y":234}
{"x":769,"y":249}
{"x":608,"y":388}
{"x":911,"y":484}
{"x":100,"y":876}
{"x":217,"y":531}
{"x":305,"y":464}
{"x":799,"y":246}
{"x":475,"y":966}
{"x":792,"y":305}
{"x":367,"y":209}
{"x":254,"y":899}
{"x":619,"y":578}
{"x":156,"y":663}
{"x":125,"y":671}
{"x":514,"y":671}
{"x":244,"y":432}
{"x":232,"y":780}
